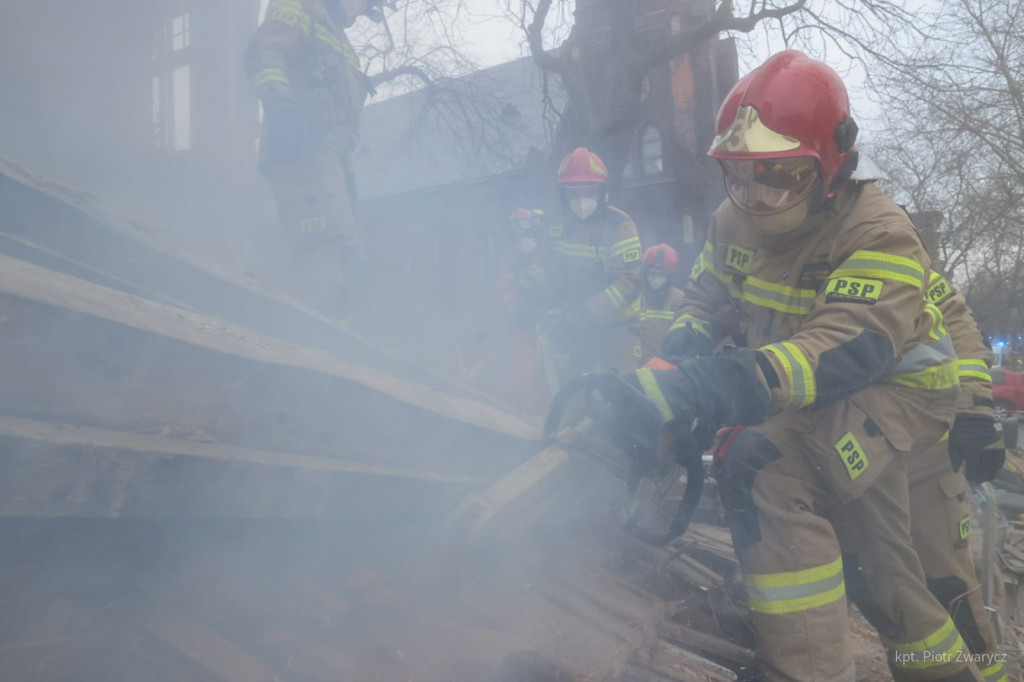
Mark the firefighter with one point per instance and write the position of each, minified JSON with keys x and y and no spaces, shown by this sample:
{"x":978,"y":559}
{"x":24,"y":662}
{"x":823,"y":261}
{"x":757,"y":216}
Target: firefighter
{"x":594,"y":271}
{"x":522,"y":281}
{"x":522,"y":301}
{"x":848,"y":369}
{"x":939,"y":512}
{"x":307,"y":76}
{"x":658,"y":303}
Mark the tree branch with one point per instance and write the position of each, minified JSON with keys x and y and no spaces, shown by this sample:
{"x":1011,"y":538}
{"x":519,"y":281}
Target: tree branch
{"x":722,"y":20}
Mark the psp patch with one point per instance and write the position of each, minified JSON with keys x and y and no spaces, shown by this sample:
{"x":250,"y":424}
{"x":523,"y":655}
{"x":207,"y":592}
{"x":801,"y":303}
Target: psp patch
{"x":739,"y":258}
{"x":939,"y":291}
{"x":850,"y":451}
{"x":631,"y":256}
{"x":555,"y":231}
{"x":853,"y":290}
{"x":965,"y":528}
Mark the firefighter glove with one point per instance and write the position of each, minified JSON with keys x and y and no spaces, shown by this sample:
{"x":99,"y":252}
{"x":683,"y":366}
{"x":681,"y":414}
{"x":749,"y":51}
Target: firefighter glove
{"x":289,"y":137}
{"x":723,"y":389}
{"x":975,"y":441}
{"x":685,"y":342}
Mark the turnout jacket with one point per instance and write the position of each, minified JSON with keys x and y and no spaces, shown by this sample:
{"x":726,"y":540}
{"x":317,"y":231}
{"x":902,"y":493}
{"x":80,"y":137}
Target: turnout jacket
{"x":300,"y":56}
{"x":838,"y":308}
{"x":974,"y":359}
{"x":596,"y":262}
{"x":651,"y":317}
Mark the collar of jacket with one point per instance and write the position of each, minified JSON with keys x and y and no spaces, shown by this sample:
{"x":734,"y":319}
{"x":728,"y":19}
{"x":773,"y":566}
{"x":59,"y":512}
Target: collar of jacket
{"x":830,"y":215}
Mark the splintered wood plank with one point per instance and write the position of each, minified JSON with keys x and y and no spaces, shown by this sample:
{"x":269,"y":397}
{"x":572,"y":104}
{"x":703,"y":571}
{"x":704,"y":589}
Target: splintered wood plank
{"x":686,"y":666}
{"x":27,"y":281}
{"x":212,"y":652}
{"x":709,"y":644}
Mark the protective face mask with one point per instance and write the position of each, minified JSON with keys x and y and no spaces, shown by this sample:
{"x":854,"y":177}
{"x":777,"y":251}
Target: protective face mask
{"x":779,"y":223}
{"x":526,"y":245}
{"x":656,"y":282}
{"x":583,"y":207}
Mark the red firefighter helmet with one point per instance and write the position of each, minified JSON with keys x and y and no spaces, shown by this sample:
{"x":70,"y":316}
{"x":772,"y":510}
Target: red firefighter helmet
{"x":790,"y":108}
{"x":661,"y":256}
{"x":582,"y":167}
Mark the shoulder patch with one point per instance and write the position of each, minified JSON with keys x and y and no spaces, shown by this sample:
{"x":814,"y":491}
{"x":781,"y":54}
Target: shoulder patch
{"x":555,"y":231}
{"x":853,"y":290}
{"x":739,"y":258}
{"x":631,"y":256}
{"x":814,"y":275}
{"x":939,"y":290}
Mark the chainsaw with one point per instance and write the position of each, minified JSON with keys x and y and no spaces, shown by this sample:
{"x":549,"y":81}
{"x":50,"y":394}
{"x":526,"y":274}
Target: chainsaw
{"x":627,"y":436}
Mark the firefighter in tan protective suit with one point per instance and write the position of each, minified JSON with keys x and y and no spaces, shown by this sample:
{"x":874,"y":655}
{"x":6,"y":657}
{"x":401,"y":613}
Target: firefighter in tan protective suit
{"x":593,"y":273}
{"x":849,"y":370}
{"x":307,"y":76}
{"x":939,"y":511}
{"x":657,"y":303}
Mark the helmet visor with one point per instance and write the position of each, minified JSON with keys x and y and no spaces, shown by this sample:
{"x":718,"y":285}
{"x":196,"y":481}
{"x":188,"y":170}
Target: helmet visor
{"x":769,"y":186}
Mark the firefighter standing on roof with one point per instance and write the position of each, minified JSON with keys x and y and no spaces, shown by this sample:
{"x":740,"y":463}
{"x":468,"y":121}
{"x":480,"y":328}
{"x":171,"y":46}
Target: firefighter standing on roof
{"x":657,"y":303}
{"x":849,"y":369}
{"x":595,"y":265}
{"x":307,"y":76}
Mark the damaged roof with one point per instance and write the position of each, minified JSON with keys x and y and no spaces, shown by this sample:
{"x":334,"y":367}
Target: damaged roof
{"x":485,"y":124}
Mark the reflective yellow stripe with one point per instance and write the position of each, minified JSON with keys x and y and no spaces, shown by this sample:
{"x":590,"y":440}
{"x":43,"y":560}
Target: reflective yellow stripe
{"x":650,"y":386}
{"x":777,"y":593}
{"x":945,"y":436}
{"x":777,"y":296}
{"x":619,"y":248}
{"x":571,"y":249}
{"x":656,"y":315}
{"x":938,"y":329}
{"x":974,"y":368}
{"x":934,"y":378}
{"x":324,"y":33}
{"x":994,"y":673}
{"x":939,"y":648}
{"x":691,"y":322}
{"x":270,"y":76}
{"x":290,"y":13}
{"x":881,"y":265}
{"x":802,"y":387}
{"x":615,"y":296}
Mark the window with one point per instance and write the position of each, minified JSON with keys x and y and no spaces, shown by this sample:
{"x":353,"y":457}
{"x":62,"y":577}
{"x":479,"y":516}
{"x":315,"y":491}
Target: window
{"x":179,"y":32}
{"x":650,"y":150}
{"x":172,"y":86}
{"x":998,"y":377}
{"x":181,"y":95}
{"x":688,"y":237}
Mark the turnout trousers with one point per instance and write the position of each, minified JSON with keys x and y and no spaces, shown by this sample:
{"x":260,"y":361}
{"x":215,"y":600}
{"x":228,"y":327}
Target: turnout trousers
{"x":780,"y":482}
{"x":939,"y":527}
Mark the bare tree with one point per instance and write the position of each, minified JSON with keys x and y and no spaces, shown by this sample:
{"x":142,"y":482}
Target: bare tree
{"x":604,"y":99}
{"x":955,"y":144}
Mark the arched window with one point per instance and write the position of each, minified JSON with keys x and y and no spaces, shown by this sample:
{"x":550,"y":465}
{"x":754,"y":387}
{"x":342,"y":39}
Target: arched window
{"x":651,"y":151}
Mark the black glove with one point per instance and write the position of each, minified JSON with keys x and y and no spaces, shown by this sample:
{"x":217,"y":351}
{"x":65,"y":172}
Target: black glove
{"x":685,"y":342}
{"x":289,"y":137}
{"x":722,"y":389}
{"x":974,"y":440}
